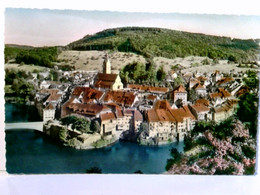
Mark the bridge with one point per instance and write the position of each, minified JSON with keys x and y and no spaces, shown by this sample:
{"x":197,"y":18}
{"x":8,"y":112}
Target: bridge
{"x":24,"y":125}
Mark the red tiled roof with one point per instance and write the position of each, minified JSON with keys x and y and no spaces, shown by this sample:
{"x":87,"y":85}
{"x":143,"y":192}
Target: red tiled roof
{"x":202,"y":101}
{"x":86,"y":109}
{"x":50,"y":91}
{"x":138,"y":116}
{"x":107,"y":116}
{"x":54,"y":97}
{"x":199,"y":86}
{"x":107,"y":77}
{"x":49,"y":107}
{"x":105,"y":80}
{"x":222,"y":93}
{"x":224,"y":80}
{"x":120,"y":97}
{"x":148,"y":88}
{"x":200,"y":108}
{"x":163,"y":112}
{"x":229,"y":104}
{"x":201,"y":78}
{"x":180,"y":89}
{"x":53,"y":94}
{"x":242,"y":91}
{"x":162,"y":104}
{"x":116,"y":108}
{"x":151,"y":97}
{"x":89,"y":94}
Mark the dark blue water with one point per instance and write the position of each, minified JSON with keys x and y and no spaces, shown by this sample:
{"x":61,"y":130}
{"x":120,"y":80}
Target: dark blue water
{"x":20,"y":113}
{"x":29,"y":151}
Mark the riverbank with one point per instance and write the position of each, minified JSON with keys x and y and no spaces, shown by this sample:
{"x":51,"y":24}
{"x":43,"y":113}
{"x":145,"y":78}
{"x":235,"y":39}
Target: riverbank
{"x":76,"y":139}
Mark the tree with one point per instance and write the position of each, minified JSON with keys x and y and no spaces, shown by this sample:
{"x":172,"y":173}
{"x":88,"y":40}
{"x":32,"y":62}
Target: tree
{"x":82,"y":125}
{"x":251,"y":80}
{"x":192,"y":95}
{"x":188,"y":143}
{"x":177,"y":82}
{"x":79,"y":123}
{"x":54,"y":75}
{"x":143,"y":127}
{"x":95,"y":126}
{"x":63,"y":135}
{"x":248,"y":104}
{"x":161,"y":74}
{"x":94,"y":170}
{"x":176,"y":157}
{"x":138,"y":172}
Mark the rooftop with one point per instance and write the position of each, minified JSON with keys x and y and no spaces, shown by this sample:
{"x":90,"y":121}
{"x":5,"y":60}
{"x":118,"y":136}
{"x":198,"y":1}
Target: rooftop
{"x":120,"y":97}
{"x":148,"y":88}
{"x":89,"y":94}
{"x":222,"y":93}
{"x":179,"y":89}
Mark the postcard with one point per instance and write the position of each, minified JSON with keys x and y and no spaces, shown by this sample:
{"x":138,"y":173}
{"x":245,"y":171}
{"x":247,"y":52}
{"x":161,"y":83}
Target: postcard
{"x":130,"y":93}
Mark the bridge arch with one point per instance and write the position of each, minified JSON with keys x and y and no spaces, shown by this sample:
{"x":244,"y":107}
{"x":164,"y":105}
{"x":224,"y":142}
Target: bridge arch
{"x":25,"y":125}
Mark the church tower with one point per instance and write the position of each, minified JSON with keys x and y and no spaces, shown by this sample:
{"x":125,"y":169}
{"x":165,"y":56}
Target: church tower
{"x":106,"y":65}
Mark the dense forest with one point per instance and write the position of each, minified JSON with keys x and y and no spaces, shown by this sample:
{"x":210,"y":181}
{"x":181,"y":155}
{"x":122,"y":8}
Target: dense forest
{"x":42,"y":56}
{"x":152,"y":42}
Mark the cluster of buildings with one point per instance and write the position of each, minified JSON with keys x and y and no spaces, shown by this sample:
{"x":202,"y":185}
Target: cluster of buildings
{"x":170,"y":114}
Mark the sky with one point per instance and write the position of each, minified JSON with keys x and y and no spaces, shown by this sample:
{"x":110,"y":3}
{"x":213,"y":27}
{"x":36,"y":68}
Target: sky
{"x":45,"y":27}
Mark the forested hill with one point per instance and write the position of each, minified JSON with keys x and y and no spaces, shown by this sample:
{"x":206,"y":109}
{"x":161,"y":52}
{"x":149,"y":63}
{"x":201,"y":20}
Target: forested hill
{"x":152,"y":42}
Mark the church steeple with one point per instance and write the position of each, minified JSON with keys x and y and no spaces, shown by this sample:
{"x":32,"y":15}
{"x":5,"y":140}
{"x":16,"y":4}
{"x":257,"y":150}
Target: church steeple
{"x":106,"y":65}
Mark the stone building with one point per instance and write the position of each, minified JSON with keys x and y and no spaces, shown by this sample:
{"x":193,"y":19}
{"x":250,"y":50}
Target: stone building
{"x":167,"y":124}
{"x":106,"y":80}
{"x":180,"y":94}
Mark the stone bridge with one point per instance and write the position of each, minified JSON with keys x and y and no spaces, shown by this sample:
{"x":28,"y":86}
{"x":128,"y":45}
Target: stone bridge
{"x":24,"y":125}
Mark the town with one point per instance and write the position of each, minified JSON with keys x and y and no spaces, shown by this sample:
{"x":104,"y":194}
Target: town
{"x":147,"y":114}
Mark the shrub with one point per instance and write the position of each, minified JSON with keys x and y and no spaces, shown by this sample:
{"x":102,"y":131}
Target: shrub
{"x":94,"y":170}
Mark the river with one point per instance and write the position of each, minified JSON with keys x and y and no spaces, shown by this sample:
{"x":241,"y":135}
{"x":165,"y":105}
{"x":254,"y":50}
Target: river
{"x":31,"y":152}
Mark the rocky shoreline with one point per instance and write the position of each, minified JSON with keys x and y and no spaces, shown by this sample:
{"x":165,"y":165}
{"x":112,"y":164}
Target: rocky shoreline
{"x":76,"y":139}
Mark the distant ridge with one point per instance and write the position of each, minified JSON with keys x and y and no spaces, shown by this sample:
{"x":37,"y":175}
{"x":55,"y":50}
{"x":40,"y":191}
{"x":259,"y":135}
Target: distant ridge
{"x":152,"y":42}
{"x":19,"y":46}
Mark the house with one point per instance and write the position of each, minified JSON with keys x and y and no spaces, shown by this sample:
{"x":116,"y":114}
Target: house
{"x":219,"y":97}
{"x":205,"y":81}
{"x":122,"y":98}
{"x":224,"y":111}
{"x":200,"y":89}
{"x":193,"y":82}
{"x":123,"y":119}
{"x":90,"y":110}
{"x":224,"y":82}
{"x":173,"y":74}
{"x":165,"y":123}
{"x":44,"y":84}
{"x":200,"y":111}
{"x":87,"y":95}
{"x":135,"y":119}
{"x":180,"y":93}
{"x":50,"y":84}
{"x":216,"y":76}
{"x":151,"y":98}
{"x":108,"y":124}
{"x":244,"y":89}
{"x":48,"y":112}
{"x":202,"y":101}
{"x":146,"y":88}
{"x":47,"y":102}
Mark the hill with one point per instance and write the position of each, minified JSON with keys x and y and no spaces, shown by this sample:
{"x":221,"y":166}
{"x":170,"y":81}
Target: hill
{"x":158,"y":42}
{"x":42,"y":56}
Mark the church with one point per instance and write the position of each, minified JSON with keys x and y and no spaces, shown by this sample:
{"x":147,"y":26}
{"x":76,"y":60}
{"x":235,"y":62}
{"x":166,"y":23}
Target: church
{"x":106,"y":80}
